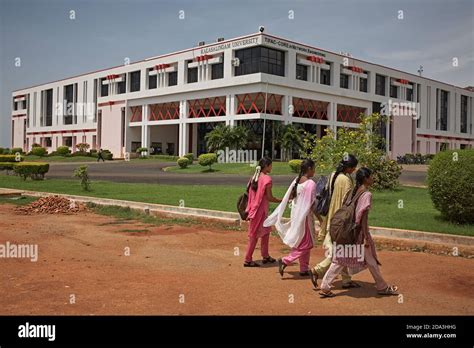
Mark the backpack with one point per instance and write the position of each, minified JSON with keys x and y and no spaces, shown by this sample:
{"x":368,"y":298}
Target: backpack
{"x":342,"y":228}
{"x":242,"y":203}
{"x":323,"y":196}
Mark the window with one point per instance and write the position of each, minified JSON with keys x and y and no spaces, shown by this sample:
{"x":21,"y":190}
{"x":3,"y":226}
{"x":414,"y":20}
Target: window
{"x":442,"y":109}
{"x":363,"y":84}
{"x":393,"y":91}
{"x":260,"y":59}
{"x":344,"y":81}
{"x":48,"y":142}
{"x":217,"y":71}
{"x":47,"y":108}
{"x":325,"y":77}
{"x":67,"y":141}
{"x":23,"y":104}
{"x":173,"y":78}
{"x":68,"y":104}
{"x":122,"y":86}
{"x":379,"y":84}
{"x":104,"y":89}
{"x":301,"y":72}
{"x":15,"y":105}
{"x":410,"y":93}
{"x":151,"y":80}
{"x":135,"y":81}
{"x":192,"y":75}
{"x":464,"y":113}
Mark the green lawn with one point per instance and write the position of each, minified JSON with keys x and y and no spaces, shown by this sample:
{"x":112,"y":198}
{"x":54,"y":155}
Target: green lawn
{"x":417,"y":212}
{"x":32,"y":158}
{"x":279,"y":168}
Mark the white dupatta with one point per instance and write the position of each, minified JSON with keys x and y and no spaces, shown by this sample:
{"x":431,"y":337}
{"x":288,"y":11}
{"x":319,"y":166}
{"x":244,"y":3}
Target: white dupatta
{"x":292,"y":232}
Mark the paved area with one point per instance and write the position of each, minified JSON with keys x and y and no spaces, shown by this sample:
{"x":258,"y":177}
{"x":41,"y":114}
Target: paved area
{"x":151,"y":172}
{"x":194,"y":270}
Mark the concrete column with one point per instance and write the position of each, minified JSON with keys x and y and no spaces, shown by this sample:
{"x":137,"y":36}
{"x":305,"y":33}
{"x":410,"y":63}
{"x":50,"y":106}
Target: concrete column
{"x":228,"y":68}
{"x":145,"y":127}
{"x":287,"y":103}
{"x":183,"y":139}
{"x":181,"y":72}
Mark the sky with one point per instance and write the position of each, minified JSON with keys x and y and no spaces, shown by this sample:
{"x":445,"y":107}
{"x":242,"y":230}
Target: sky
{"x":51,"y":45}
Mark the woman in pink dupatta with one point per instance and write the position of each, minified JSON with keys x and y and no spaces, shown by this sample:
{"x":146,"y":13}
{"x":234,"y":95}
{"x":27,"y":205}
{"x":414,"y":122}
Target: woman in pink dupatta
{"x":259,"y":198}
{"x":298,"y":233}
{"x":366,"y":255}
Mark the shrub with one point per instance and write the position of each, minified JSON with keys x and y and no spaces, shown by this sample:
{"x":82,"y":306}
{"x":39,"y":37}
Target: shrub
{"x":82,"y":147}
{"x":183,"y":162}
{"x":15,"y":150}
{"x":10,"y":158}
{"x":63,"y":151}
{"x":82,"y":173}
{"x":385,"y":173}
{"x":295,"y":165}
{"x":38,"y":151}
{"x":2,"y":150}
{"x":7,"y":165}
{"x":35,"y":145}
{"x":207,"y":159}
{"x":451,"y":185}
{"x":108,"y":156}
{"x":190,"y":157}
{"x":33,"y":170}
{"x":5,"y":151}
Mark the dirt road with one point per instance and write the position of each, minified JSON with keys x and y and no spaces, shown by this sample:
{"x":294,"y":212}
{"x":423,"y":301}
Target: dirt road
{"x":183,"y":270}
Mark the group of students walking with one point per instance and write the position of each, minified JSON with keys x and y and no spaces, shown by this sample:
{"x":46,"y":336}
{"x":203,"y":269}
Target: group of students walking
{"x":299,"y":231}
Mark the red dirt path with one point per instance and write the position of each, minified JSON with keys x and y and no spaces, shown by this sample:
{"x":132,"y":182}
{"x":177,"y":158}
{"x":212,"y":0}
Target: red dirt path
{"x":84,"y":255}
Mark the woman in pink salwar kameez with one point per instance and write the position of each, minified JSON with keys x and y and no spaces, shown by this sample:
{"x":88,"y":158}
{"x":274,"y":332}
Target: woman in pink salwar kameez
{"x":259,"y":198}
{"x":298,"y":233}
{"x":366,"y":255}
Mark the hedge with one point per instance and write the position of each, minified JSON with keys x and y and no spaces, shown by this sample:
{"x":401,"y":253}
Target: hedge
{"x":182,"y":162}
{"x":190,"y":157}
{"x":33,"y":170}
{"x":295,"y":165}
{"x":7,"y":165}
{"x":63,"y":151}
{"x":451,"y":184}
{"x":207,"y":159}
{"x":38,"y":151}
{"x":14,"y":150}
{"x":9,"y":158}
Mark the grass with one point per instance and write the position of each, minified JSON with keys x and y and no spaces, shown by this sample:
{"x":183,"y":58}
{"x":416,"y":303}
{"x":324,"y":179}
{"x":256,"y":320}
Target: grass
{"x":279,"y":168}
{"x":20,"y":200}
{"x":417,"y":213}
{"x":32,"y":158}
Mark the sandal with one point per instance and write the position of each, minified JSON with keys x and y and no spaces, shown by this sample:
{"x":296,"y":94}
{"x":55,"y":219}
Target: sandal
{"x":314,"y":278}
{"x":350,"y":285}
{"x":389,"y":290}
{"x":268,"y":259}
{"x":281,"y":267}
{"x":326,"y":294}
{"x":251,"y":264}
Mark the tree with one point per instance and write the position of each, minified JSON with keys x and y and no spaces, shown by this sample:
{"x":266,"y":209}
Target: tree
{"x":363,"y":142}
{"x":290,"y":139}
{"x":225,"y":136}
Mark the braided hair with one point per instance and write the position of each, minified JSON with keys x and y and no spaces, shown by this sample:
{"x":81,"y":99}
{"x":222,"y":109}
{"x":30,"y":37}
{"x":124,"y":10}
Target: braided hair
{"x":305,"y":166}
{"x":264,"y":162}
{"x":347,"y":162}
{"x":362,"y":174}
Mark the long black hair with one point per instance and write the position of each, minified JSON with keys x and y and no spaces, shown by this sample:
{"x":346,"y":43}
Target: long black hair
{"x":305,"y":166}
{"x":264,"y":162}
{"x":349,"y":161}
{"x":361,"y":174}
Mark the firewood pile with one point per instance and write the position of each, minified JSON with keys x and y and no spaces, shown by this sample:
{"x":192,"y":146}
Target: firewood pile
{"x":51,"y":205}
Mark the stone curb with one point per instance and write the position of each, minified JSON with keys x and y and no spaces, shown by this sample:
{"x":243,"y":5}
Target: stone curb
{"x":234,"y":218}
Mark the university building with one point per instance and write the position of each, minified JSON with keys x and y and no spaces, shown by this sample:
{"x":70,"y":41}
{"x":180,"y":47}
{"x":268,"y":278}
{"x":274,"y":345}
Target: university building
{"x":169,"y":102}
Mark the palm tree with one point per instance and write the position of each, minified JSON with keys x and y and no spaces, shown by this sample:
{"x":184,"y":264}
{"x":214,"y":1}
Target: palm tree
{"x":290,"y":139}
{"x":217,"y":138}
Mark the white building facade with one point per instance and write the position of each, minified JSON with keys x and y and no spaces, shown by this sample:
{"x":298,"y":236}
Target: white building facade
{"x":168,"y":103}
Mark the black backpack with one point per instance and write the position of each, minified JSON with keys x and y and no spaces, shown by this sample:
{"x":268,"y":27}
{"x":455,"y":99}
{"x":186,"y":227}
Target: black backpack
{"x":242,"y":203}
{"x":323,"y":195}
